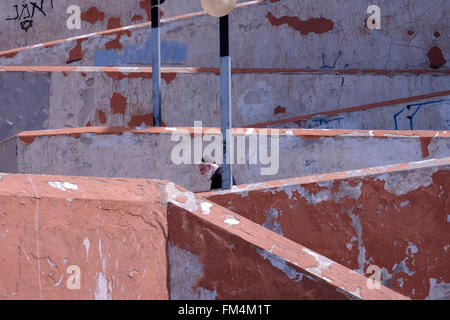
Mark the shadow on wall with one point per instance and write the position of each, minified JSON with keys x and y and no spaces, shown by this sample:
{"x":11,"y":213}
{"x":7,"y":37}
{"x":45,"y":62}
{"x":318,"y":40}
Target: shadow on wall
{"x":172,"y":52}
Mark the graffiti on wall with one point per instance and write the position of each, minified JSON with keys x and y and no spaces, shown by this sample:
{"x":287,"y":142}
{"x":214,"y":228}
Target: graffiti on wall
{"x":25,"y":12}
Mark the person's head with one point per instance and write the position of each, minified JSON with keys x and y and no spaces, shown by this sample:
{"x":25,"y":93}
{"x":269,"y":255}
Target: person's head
{"x":207,"y":167}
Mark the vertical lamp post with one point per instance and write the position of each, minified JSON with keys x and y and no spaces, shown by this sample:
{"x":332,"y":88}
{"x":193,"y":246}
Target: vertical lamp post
{"x":156,"y":61}
{"x":221,"y":9}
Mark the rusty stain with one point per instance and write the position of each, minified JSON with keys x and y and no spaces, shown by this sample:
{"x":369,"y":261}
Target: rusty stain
{"x":93,"y":15}
{"x":27,"y":139}
{"x":137,"y":17}
{"x":312,"y":25}
{"x":101,"y":116}
{"x":76,"y":54}
{"x":114,"y":23}
{"x":9,"y":55}
{"x":279,"y":110}
{"x":138,"y":120}
{"x":436,"y":58}
{"x":168,"y":77}
{"x":118,"y":103}
{"x":424,"y":143}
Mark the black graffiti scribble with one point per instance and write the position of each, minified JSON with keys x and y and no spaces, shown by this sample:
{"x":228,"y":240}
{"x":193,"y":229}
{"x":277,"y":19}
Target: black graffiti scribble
{"x":25,"y":16}
{"x":27,"y":24}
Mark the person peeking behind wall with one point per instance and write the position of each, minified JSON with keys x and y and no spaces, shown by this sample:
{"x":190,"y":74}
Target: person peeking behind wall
{"x":213,"y":171}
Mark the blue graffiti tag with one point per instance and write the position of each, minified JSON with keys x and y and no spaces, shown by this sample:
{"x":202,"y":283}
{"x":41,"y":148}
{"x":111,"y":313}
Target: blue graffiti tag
{"x":411,"y":117}
{"x":325,"y":122}
{"x":325,"y":66}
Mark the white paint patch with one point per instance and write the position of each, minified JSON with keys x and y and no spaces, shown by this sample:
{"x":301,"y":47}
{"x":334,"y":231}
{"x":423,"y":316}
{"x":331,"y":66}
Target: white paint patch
{"x":64,"y":186}
{"x":56,"y":284}
{"x":87,"y":244}
{"x":289,"y":132}
{"x":448,"y":218}
{"x":206,"y":207}
{"x":185,"y":269}
{"x":101,"y":292}
{"x":439,"y":290}
{"x":171,"y":129}
{"x":323,"y":264}
{"x":271,"y":224}
{"x":231,"y":220}
{"x":281,"y":264}
{"x":412,"y":248}
{"x":404,"y":204}
{"x":401,"y":183}
{"x":171,"y":193}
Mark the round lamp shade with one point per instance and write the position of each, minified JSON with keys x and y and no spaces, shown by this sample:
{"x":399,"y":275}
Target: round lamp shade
{"x":218,"y":8}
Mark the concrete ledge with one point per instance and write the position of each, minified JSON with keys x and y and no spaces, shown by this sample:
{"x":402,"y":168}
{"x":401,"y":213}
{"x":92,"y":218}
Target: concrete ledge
{"x":112,"y":230}
{"x":394,"y":218}
{"x":97,"y":238}
{"x":149,"y":153}
{"x":216,"y":254}
{"x":36,"y":98}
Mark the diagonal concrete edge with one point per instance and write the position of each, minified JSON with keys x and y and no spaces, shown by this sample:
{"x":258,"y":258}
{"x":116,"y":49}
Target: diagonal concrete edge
{"x":187,"y":211}
{"x":331,"y":176}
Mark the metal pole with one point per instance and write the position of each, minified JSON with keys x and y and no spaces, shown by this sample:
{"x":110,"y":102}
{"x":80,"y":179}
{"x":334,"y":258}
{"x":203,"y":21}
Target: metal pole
{"x":156,"y":62}
{"x":225,"y":101}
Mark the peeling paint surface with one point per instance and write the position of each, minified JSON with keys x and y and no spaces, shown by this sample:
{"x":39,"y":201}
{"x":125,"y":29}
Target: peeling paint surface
{"x":118,"y":226}
{"x":364,"y":217}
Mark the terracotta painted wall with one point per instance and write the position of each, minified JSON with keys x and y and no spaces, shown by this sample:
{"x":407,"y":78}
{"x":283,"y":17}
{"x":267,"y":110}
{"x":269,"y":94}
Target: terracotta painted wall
{"x":114,"y":231}
{"x":217,"y":254}
{"x":396,"y":220}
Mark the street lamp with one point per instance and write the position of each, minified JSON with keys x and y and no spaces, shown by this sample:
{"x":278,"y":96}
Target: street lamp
{"x":156,"y":61}
{"x":221,"y":9}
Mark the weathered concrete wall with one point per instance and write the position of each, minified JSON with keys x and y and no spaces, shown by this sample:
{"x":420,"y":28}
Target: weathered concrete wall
{"x":8,"y":152}
{"x":409,"y":114}
{"x":60,"y":97}
{"x":149,"y":153}
{"x":114,"y":231}
{"x":396,"y":218}
{"x":285,"y":34}
{"x":50,"y":23}
{"x":97,"y":238}
{"x":24,"y":102}
{"x":215,"y":254}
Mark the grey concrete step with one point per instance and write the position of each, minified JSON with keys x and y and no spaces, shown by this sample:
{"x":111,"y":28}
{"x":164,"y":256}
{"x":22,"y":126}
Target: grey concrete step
{"x":259,"y":155}
{"x":35,"y":98}
{"x":316,"y":34}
